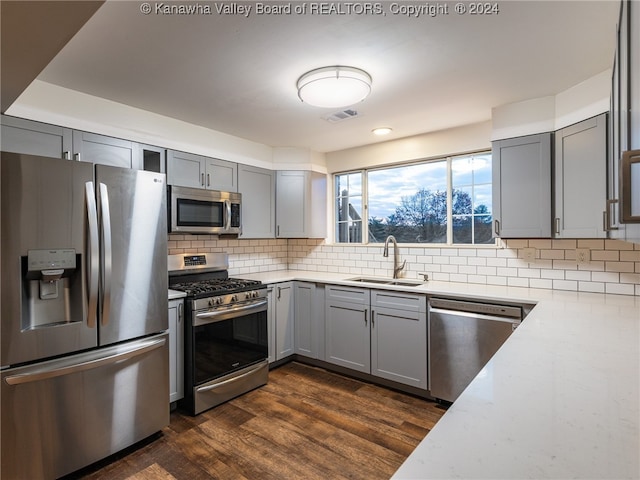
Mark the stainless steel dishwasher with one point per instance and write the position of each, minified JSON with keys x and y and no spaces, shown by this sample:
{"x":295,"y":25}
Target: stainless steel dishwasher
{"x":463,"y":336}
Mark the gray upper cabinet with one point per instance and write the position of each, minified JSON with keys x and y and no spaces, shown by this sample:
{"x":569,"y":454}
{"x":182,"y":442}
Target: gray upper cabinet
{"x":301,"y":204}
{"x":580,"y":179}
{"x":103,"y":150}
{"x":153,"y":158}
{"x":522,"y":186}
{"x":185,"y":169}
{"x":221,"y":175}
{"x":196,"y":171}
{"x":258,"y":189}
{"x":34,"y":138}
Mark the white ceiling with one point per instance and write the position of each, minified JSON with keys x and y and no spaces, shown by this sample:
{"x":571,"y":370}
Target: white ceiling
{"x":237,"y":75}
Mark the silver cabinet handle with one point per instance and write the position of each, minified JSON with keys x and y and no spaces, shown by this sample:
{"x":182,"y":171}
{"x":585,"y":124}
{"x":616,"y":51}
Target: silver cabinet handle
{"x":76,"y":157}
{"x":106,"y":260}
{"x":278,"y":295}
{"x":93,"y":254}
{"x":496,"y":227}
{"x":202,"y":179}
{"x":557,"y":226}
{"x":66,"y":155}
{"x":46,"y":373}
{"x":208,"y":179}
{"x":180,"y":312}
{"x":365,"y":315}
{"x":373,"y":322}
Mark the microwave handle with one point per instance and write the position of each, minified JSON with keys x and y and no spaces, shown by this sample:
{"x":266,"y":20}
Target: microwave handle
{"x":227,"y":204}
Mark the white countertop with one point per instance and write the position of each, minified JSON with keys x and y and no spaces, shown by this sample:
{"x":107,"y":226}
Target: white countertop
{"x":175,"y":294}
{"x":560,"y":399}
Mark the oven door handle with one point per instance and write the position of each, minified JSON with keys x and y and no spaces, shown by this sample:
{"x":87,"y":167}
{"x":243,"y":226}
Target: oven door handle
{"x":218,"y":315}
{"x":208,"y":388}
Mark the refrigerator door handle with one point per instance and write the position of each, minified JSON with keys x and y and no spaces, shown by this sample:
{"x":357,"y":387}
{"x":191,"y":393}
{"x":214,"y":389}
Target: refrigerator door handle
{"x":105,"y":216}
{"x":39,"y":374}
{"x":93,"y":254}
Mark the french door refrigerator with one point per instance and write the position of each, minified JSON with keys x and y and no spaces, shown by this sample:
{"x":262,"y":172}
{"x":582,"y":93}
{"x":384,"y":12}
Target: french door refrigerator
{"x":84,"y":342}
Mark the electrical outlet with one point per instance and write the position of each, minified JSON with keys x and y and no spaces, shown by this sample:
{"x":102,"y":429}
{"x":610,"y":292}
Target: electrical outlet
{"x":528,"y":254}
{"x":583,"y":255}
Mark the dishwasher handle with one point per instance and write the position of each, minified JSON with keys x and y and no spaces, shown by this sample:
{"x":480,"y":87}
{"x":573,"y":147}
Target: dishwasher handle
{"x":503,"y":312}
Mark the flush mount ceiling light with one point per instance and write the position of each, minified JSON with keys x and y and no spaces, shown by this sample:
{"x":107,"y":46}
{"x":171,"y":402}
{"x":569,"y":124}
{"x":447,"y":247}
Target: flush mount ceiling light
{"x":381,"y":131}
{"x":333,"y":87}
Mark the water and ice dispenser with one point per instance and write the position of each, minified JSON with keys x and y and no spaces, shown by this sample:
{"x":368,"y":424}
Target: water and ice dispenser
{"x":52,"y":287}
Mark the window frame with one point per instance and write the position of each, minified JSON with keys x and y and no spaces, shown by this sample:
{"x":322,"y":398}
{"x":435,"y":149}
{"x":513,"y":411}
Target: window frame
{"x":365,"y":202}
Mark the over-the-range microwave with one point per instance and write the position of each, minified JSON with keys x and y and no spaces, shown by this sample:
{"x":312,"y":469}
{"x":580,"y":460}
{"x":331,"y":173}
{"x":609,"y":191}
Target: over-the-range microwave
{"x":192,"y":210}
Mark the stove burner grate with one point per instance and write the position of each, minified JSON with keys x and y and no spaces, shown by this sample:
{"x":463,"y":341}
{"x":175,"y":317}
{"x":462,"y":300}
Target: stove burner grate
{"x":217,"y":286}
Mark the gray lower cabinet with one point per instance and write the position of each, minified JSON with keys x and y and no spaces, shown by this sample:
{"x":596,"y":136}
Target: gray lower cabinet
{"x":35,"y":138}
{"x":280,"y":320}
{"x":348,"y":337}
{"x":399,"y":337}
{"x":258,"y":189}
{"x":380,"y":332}
{"x":580,"y":179}
{"x":176,"y":350}
{"x":309,"y":319}
{"x":522,"y":186}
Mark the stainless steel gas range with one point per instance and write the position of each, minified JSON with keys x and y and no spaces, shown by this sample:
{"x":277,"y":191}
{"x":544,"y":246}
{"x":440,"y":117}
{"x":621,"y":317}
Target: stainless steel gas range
{"x":226,"y":345}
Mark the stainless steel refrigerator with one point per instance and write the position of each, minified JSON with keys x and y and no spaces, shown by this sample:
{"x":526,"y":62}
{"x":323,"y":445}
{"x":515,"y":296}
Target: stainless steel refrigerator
{"x":84,"y":342}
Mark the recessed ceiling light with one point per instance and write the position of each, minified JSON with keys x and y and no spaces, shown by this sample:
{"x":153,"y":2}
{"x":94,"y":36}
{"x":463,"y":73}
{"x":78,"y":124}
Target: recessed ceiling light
{"x":381,"y":131}
{"x":332,"y":87}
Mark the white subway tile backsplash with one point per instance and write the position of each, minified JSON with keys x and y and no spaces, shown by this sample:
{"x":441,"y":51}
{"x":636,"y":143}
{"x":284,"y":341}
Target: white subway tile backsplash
{"x":614,"y":265}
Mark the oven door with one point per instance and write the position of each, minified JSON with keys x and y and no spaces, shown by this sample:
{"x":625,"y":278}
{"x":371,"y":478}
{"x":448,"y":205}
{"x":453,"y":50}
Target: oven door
{"x":228,"y":345}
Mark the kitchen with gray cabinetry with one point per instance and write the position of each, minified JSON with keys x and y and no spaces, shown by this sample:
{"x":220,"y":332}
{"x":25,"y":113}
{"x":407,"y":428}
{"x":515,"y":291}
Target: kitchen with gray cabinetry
{"x":258,"y":189}
{"x":522,"y":186}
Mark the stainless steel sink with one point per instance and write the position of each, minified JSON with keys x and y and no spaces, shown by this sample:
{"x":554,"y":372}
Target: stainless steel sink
{"x":387,"y":281}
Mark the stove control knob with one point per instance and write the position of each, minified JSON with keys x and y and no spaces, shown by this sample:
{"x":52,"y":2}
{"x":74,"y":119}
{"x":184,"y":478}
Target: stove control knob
{"x":255,"y":294}
{"x":219,"y":301}
{"x":247,"y":295}
{"x":210,"y":303}
{"x":234,"y":298}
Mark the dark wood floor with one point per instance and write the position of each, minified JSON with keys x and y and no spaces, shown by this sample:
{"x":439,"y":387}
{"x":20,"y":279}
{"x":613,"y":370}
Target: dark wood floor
{"x":306,"y":423}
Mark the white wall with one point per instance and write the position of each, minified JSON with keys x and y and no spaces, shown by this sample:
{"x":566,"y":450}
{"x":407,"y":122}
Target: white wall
{"x":469,"y":138}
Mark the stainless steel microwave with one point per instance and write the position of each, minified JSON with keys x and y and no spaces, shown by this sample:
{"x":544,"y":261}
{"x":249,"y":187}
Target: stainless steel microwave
{"x":192,"y":210}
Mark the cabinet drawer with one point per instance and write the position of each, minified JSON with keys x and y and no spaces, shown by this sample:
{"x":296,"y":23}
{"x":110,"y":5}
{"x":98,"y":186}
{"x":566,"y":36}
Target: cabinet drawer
{"x":399,"y":301}
{"x":348,"y":294}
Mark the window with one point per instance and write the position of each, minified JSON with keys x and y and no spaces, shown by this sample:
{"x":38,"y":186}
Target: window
{"x":444,"y":201}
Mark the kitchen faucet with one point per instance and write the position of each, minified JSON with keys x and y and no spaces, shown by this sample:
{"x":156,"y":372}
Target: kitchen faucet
{"x":396,"y":255}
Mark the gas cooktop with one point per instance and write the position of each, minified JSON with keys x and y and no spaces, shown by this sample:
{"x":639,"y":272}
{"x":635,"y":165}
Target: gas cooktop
{"x":216,"y":286}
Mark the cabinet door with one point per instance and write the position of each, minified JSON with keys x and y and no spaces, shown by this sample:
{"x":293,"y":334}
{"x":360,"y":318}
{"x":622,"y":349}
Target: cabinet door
{"x":103,"y":150}
{"x":153,"y":158}
{"x":347,"y":341}
{"x":304,"y":319}
{"x":284,"y":320}
{"x":399,"y":346}
{"x":258,"y":189}
{"x":34,"y":138}
{"x":291,"y":204}
{"x":522,"y":187}
{"x":580,"y":179}
{"x":176,"y":350}
{"x":185,"y":169}
{"x":221,"y":175}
